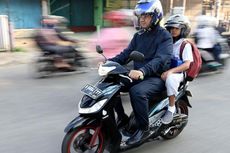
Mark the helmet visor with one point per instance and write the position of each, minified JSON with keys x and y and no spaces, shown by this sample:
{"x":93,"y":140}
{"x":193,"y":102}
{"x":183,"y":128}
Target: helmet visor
{"x":147,"y":6}
{"x":143,"y":7}
{"x":173,"y":25}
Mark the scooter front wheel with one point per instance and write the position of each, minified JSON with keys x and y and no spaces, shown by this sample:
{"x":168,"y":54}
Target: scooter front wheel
{"x":84,"y":139}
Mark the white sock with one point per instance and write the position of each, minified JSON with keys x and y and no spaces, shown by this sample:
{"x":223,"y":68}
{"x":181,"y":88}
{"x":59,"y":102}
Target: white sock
{"x":172,"y":109}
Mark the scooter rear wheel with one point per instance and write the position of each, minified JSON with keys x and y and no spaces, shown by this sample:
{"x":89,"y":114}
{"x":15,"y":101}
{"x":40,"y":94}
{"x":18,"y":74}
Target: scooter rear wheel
{"x":83,"y":139}
{"x":175,"y":130}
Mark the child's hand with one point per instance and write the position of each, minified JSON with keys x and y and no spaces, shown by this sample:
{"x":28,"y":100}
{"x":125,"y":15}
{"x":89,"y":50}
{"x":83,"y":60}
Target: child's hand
{"x":165,"y":74}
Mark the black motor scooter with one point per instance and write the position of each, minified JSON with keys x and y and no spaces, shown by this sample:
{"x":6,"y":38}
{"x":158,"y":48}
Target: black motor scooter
{"x":94,"y":129}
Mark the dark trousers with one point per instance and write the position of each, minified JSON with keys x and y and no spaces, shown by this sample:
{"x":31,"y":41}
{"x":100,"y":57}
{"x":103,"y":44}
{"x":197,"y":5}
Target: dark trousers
{"x":57,"y":49}
{"x":141,"y":92}
{"x":215,"y":51}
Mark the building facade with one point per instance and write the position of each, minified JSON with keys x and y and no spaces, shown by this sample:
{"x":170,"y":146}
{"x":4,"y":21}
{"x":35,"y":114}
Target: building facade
{"x":24,"y":14}
{"x":86,"y":15}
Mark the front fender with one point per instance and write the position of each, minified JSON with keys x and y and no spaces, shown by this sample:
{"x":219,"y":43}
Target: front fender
{"x":78,"y":121}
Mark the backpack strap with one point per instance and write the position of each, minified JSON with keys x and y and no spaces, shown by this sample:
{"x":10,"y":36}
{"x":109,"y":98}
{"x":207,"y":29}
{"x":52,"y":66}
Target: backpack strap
{"x":181,"y":51}
{"x":182,"y":47}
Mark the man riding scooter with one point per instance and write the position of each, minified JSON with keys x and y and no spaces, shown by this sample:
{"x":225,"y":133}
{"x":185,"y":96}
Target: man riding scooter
{"x":49,"y":40}
{"x":155,"y":43}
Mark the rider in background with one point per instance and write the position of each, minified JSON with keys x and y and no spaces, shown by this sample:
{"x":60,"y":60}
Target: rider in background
{"x":179,"y":27}
{"x":207,"y":37}
{"x":49,"y":40}
{"x":155,"y":43}
{"x":222,"y":27}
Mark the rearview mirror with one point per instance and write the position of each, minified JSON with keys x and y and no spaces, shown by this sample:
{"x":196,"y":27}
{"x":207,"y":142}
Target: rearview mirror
{"x":99,"y":49}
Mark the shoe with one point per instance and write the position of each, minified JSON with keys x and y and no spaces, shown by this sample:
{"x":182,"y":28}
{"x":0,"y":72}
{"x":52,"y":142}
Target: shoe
{"x":126,"y":132}
{"x":167,"y":118}
{"x":137,"y":137}
{"x":123,"y":121}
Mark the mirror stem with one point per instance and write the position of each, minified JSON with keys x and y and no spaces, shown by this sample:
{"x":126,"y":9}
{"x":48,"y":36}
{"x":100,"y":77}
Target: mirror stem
{"x":104,"y":57}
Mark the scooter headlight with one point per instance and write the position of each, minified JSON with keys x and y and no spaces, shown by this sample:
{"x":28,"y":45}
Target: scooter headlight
{"x":93,"y":109}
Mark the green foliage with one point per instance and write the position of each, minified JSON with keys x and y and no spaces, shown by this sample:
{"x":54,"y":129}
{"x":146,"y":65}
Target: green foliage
{"x":18,"y":49}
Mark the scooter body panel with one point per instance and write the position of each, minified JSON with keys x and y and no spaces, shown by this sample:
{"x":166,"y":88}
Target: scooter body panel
{"x":78,"y":121}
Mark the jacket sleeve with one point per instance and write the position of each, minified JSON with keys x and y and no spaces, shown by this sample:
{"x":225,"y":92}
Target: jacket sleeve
{"x":162,"y":58}
{"x":124,"y":55}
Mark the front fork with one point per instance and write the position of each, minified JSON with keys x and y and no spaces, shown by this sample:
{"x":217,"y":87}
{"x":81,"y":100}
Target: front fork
{"x":111,"y":131}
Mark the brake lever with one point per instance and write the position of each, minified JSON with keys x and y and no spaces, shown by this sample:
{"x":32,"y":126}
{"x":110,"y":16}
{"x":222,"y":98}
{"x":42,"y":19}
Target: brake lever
{"x":124,"y":76}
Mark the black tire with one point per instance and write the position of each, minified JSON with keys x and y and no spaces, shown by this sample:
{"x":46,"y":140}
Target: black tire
{"x":174,"y":132}
{"x":132,"y":125}
{"x":77,"y":140}
{"x":80,"y":60}
{"x":40,"y":69}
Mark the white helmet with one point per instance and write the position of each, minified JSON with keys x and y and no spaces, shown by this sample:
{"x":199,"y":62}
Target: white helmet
{"x":179,"y":21}
{"x":151,"y":7}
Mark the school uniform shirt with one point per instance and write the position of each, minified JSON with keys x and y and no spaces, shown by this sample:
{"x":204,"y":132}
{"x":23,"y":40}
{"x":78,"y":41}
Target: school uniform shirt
{"x":207,"y":37}
{"x":173,"y":81}
{"x":186,"y":53}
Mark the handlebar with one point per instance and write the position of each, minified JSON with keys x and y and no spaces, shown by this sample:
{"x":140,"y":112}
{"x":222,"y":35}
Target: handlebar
{"x":130,"y":79}
{"x":126,"y":77}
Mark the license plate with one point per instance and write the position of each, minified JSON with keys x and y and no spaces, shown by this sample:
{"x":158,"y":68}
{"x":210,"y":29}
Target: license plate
{"x":92,"y":91}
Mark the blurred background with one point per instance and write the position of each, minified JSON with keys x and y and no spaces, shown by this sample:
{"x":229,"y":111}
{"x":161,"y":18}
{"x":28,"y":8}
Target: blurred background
{"x":34,"y":112}
{"x":22,"y":17}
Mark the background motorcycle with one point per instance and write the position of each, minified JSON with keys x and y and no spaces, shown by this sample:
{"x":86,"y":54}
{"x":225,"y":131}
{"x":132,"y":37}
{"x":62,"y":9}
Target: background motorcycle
{"x":44,"y":64}
{"x":95,"y":129}
{"x":209,"y":64}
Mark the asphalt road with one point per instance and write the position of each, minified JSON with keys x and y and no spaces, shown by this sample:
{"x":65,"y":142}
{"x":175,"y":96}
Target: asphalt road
{"x":34,"y":113}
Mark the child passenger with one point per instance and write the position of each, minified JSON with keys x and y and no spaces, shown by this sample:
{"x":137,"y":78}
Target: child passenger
{"x":179,"y":27}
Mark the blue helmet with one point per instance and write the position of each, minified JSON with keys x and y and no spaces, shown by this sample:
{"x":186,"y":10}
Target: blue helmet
{"x":151,"y":7}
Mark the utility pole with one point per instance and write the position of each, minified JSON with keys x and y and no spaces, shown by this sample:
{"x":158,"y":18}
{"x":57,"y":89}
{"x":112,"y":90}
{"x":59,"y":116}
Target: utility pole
{"x":10,"y":26}
{"x":45,"y":7}
{"x":184,"y":5}
{"x":171,"y":7}
{"x":217,"y":8}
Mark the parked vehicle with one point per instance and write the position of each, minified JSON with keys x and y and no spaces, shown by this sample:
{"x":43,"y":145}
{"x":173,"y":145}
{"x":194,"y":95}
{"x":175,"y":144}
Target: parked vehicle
{"x":95,"y":130}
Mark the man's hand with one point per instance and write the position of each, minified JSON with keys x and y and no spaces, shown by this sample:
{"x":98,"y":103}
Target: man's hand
{"x":136,"y":74}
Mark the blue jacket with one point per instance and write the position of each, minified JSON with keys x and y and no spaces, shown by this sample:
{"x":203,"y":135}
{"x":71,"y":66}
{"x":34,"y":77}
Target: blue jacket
{"x":157,"y":47}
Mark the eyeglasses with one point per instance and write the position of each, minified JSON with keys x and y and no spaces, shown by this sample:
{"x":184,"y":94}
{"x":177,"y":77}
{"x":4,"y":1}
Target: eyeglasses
{"x":144,"y":16}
